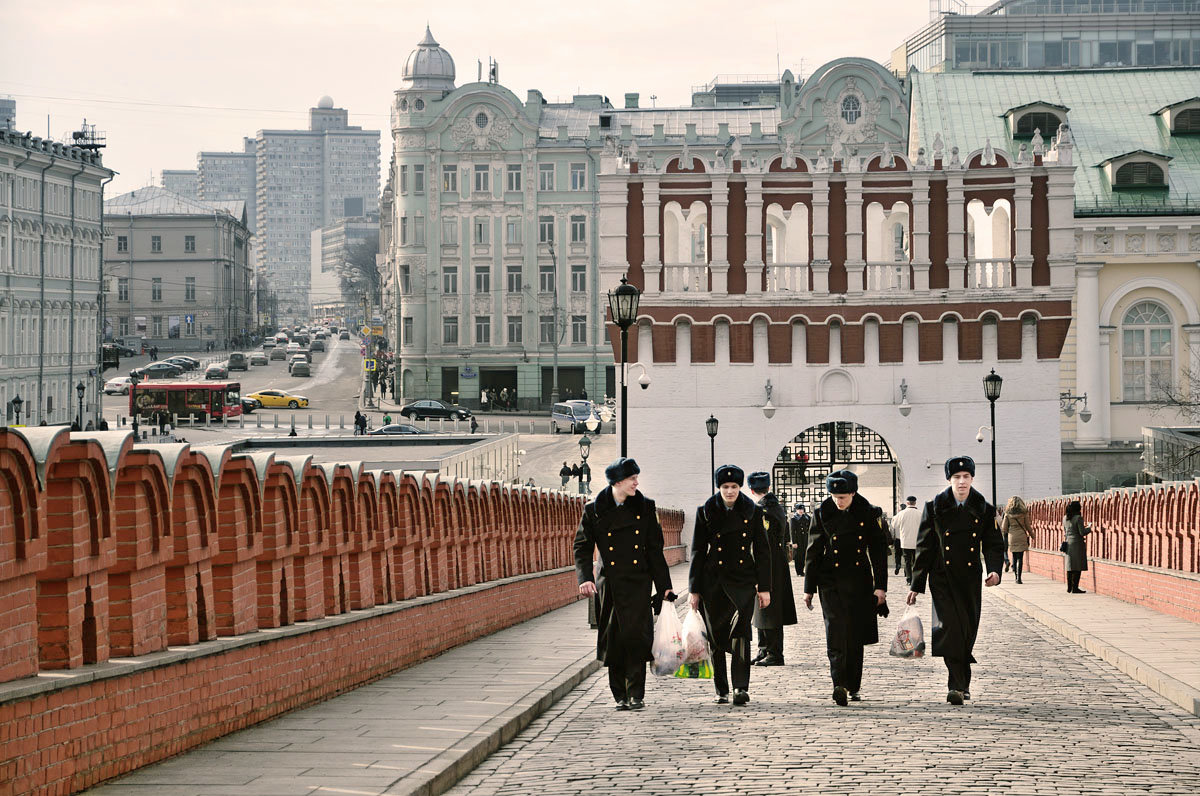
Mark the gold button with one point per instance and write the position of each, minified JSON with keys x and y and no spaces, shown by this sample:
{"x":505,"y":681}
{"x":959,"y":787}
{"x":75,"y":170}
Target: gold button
{"x":635,"y":547}
{"x":610,"y":533}
{"x":836,"y":564}
{"x":860,"y":549}
{"x":947,"y":548}
{"x":743,"y":547}
{"x":635,"y":560}
{"x":974,"y":535}
{"x":610,"y":549}
{"x":746,"y":521}
{"x":636,"y":531}
{"x":740,"y":561}
{"x":860,"y":538}
{"x":976,"y":522}
{"x":968,"y":563}
{"x":637,"y":516}
{"x":860,"y":525}
{"x":720,"y":563}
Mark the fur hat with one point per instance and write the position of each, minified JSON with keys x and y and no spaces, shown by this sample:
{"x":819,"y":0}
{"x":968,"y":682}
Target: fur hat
{"x":759,"y":481}
{"x":621,"y":469}
{"x":960,"y":464}
{"x":730,"y":473}
{"x":841,"y":482}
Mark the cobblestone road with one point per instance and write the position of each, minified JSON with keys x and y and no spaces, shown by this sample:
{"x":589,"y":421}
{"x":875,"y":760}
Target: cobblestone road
{"x":1046,"y":717}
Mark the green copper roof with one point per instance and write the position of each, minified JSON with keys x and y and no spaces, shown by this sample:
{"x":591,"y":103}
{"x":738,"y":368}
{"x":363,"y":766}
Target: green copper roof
{"x":1112,"y":113}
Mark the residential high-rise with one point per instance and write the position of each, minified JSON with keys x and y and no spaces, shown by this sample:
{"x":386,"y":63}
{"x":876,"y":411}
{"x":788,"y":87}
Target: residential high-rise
{"x":229,"y":176}
{"x":8,"y":113}
{"x":184,"y":182}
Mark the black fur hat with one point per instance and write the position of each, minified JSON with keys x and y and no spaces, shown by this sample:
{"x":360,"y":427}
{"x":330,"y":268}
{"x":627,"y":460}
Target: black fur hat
{"x":841,"y":482}
{"x":728,"y":473}
{"x":621,"y":469}
{"x":959,"y":464}
{"x":759,"y":481}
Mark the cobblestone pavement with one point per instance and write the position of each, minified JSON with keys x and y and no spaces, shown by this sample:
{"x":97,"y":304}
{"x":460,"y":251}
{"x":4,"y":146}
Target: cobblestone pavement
{"x":1046,"y":717}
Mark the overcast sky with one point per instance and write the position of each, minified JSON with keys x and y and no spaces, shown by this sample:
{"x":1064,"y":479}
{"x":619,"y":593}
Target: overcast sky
{"x":167,"y":78}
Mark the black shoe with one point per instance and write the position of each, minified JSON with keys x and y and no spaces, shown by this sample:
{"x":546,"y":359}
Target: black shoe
{"x":740,"y":697}
{"x":761,"y":654}
{"x":722,"y":699}
{"x":622,"y":704}
{"x":1078,"y":591}
{"x":770,"y":660}
{"x":1006,"y":566}
{"x":839,"y":695}
{"x":966,"y":695}
{"x":1018,"y":581}
{"x":636,"y":704}
{"x":954,"y":697}
{"x":854,"y":697}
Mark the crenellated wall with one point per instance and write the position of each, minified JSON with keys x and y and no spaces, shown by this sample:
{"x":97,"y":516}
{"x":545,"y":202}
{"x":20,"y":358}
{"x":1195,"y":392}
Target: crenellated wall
{"x":1144,"y":547}
{"x":154,"y":597}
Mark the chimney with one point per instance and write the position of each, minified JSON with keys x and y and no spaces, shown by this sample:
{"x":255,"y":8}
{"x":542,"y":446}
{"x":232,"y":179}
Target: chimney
{"x":631,"y":99}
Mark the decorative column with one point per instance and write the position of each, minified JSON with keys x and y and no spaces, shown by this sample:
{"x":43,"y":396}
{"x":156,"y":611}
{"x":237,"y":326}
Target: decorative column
{"x":754,"y":222}
{"x":651,"y":265}
{"x":956,"y":252}
{"x":1101,"y":405}
{"x":854,"y":235}
{"x":920,"y":233}
{"x":1023,"y":226}
{"x":1087,"y":348}
{"x":719,"y":219}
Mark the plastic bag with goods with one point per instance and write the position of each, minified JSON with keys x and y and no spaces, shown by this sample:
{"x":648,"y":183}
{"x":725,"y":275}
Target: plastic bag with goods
{"x":909,"y":638}
{"x":668,"y":642}
{"x":695,"y":639}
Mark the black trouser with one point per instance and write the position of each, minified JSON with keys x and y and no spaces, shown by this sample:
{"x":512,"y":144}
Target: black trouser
{"x":958,"y":674}
{"x":842,"y":646}
{"x":739,"y":653}
{"x":896,"y":552}
{"x":909,"y":557}
{"x":1018,"y":559}
{"x":626,"y":671}
{"x":1073,"y":577}
{"x":771,"y":640}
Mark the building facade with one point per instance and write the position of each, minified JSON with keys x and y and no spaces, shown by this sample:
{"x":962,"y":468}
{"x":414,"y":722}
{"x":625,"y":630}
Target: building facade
{"x":8,"y":113}
{"x":50,"y":255}
{"x":184,"y":182}
{"x":178,"y":270}
{"x":330,"y":249}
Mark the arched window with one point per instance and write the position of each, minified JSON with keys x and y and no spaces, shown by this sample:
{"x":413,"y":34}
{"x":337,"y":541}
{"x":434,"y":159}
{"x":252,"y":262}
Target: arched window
{"x":419,"y":104}
{"x":1188,"y":121}
{"x":1146,"y":353}
{"x":851,"y":109}
{"x":1047,"y":123}
{"x":1140,"y":174}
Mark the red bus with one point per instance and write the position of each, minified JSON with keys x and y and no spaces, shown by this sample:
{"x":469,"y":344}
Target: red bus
{"x":197,"y":400}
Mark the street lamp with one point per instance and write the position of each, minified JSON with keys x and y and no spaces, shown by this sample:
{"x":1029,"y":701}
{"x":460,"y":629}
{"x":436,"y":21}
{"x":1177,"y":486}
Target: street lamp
{"x":623,"y":303}
{"x":710,"y":426}
{"x":134,"y":379}
{"x":585,"y":472}
{"x":17,"y":403}
{"x":991,"y":390}
{"x":80,"y":389}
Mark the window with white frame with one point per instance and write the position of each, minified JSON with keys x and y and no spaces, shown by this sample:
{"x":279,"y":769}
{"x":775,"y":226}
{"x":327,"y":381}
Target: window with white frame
{"x":123,"y":289}
{"x":403,"y":230}
{"x":546,"y":329}
{"x":578,"y":176}
{"x":450,"y":231}
{"x":419,"y":178}
{"x":483,"y":230}
{"x":406,"y":330}
{"x":450,"y":279}
{"x":851,"y":109}
{"x":156,"y":326}
{"x":483,"y":278}
{"x":450,"y":179}
{"x":579,"y":329}
{"x":189,"y":244}
{"x":546,"y":278}
{"x":189,"y":288}
{"x":578,"y":229}
{"x":156,"y":288}
{"x":513,"y":177}
{"x":514,"y":328}
{"x":189,"y":326}
{"x":156,"y":244}
{"x":545,"y":229}
{"x":512,"y":230}
{"x":403,"y":180}
{"x":123,"y":325}
{"x":578,"y":278}
{"x":482,"y":179}
{"x":513,"y":278}
{"x":419,"y":230}
{"x":483,"y":329}
{"x":122,"y":243}
{"x":1146,"y":352}
{"x":545,"y":176}
{"x":450,"y":330}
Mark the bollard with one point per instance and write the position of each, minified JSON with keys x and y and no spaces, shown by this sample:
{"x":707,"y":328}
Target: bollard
{"x":309,"y":421}
{"x":326,"y":422}
{"x":242,"y":420}
{"x":258,"y":421}
{"x":341,"y":421}
{"x":276,"y":420}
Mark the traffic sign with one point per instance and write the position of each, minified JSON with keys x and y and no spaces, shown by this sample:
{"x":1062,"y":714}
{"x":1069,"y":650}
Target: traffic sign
{"x":366,"y":330}
{"x":368,"y":364}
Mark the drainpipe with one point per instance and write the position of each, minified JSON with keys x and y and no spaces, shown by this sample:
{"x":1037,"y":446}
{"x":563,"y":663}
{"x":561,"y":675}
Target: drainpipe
{"x":72,"y":313}
{"x":41,"y":404}
{"x":102,"y":295}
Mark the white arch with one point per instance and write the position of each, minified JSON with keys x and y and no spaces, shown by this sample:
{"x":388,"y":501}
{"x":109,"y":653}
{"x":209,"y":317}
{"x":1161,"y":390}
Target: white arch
{"x":837,"y":386}
{"x":1114,"y":298}
{"x":680,"y":231}
{"x":989,"y":230}
{"x":882,"y":238}
{"x":791,"y":233}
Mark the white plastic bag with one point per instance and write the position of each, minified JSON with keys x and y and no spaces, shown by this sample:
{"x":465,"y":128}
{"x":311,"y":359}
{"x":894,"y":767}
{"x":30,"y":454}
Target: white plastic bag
{"x":695,"y":639}
{"x":909,"y":638}
{"x":668,"y":642}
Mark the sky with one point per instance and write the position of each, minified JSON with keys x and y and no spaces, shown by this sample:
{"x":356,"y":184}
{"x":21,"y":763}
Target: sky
{"x":165,"y":79}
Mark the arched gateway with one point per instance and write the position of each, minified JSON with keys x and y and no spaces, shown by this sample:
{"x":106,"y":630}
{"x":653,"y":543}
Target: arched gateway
{"x":798,"y":474}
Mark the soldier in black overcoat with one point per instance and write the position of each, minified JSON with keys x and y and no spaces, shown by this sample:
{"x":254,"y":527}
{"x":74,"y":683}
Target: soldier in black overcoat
{"x":782,"y":610}
{"x":798,"y":524}
{"x":623,"y":524}
{"x":956,"y":526}
{"x":846,"y":564}
{"x":730,"y":571}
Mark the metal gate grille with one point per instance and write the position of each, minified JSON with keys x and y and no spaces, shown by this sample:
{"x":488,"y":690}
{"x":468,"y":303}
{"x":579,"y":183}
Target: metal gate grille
{"x":798,"y":475}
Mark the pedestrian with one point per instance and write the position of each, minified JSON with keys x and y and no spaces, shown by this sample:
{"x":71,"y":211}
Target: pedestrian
{"x":474,"y":424}
{"x":846,"y":564}
{"x":575,"y":471}
{"x":907,"y":524}
{"x":953,"y":574}
{"x":357,"y":420}
{"x":103,"y":424}
{"x":1076,"y":552}
{"x":730,"y":570}
{"x":623,"y":524}
{"x":894,"y":535}
{"x":387,"y":418}
{"x":1016,"y":526}
{"x":565,"y":474}
{"x":583,"y":394}
{"x":799,"y":524}
{"x":504,"y":397}
{"x":771,"y":620}
{"x":483,"y":401}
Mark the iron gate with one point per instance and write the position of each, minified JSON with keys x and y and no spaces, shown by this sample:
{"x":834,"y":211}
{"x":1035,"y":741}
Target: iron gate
{"x":798,"y":475}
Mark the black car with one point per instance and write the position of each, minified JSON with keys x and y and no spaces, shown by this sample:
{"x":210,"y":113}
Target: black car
{"x":250,"y":404}
{"x":157,"y":370}
{"x":418,"y":410}
{"x":396,"y":428}
{"x":123,"y":350}
{"x":187,"y":363}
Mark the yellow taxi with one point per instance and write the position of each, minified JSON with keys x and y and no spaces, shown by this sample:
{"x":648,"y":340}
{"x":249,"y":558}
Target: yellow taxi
{"x":280,"y":398}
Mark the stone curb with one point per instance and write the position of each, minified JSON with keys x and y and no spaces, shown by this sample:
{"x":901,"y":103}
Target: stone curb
{"x":1168,"y":687}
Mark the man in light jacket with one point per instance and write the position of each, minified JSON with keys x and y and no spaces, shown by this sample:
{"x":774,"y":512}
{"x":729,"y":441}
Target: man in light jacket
{"x":905,"y":526}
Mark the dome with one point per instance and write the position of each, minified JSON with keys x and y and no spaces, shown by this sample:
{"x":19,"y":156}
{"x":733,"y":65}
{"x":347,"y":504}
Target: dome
{"x":325,"y":102}
{"x":429,"y":66}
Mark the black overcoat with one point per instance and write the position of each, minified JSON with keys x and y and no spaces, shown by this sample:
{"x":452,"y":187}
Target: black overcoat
{"x":731,"y":562}
{"x":782,"y":609}
{"x":846,"y":561}
{"x":630,"y":541}
{"x":949,"y":544}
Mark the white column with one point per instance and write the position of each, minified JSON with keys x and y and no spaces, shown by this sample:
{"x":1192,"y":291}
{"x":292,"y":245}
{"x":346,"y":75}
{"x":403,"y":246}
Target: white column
{"x":956,"y":253}
{"x":1101,"y":405}
{"x":651,"y":265}
{"x":920,"y":233}
{"x":820,"y":218}
{"x":1023,"y":225}
{"x":719,"y":220}
{"x":854,"y":235}
{"x":1087,"y":347}
{"x":754,"y":220}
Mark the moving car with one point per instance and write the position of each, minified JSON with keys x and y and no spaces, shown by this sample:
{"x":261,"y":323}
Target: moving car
{"x":299,"y":366}
{"x":278,"y":353}
{"x":250,"y":404}
{"x":185,"y":362}
{"x":237,"y":361}
{"x":293,"y":347}
{"x":396,"y":428}
{"x":268,"y":344}
{"x":118,"y":386}
{"x":343,"y":335}
{"x":419,"y":410}
{"x":279,"y":398}
{"x":218,"y":371}
{"x":125,"y":350}
{"x":572,"y":416}
{"x":317,"y":345}
{"x":258,"y":358}
{"x":157,"y":370}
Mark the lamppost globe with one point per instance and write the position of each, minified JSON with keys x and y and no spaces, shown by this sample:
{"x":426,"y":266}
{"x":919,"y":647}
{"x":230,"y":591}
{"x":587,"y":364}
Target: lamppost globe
{"x":710,"y":426}
{"x":17,"y":403}
{"x":991,"y":390}
{"x":623,"y":302}
{"x":991,"y":386}
{"x":80,"y":389}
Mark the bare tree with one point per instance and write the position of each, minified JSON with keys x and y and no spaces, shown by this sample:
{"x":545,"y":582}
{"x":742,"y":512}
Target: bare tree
{"x":1177,"y":453}
{"x":358,"y":275}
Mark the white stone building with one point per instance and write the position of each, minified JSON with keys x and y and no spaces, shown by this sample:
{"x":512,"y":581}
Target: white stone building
{"x":50,"y":258}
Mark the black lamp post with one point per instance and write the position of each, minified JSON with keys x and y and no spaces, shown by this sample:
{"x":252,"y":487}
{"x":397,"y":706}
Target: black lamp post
{"x":134,"y":378}
{"x":585,"y":472}
{"x":991,"y":389}
{"x":710,"y":426}
{"x":80,"y":389}
{"x":17,"y":403}
{"x":623,"y":303}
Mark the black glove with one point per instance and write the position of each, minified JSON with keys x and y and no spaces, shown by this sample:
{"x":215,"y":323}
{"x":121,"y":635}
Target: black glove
{"x":671,"y":597}
{"x":656,"y":602}
{"x":883,"y":610}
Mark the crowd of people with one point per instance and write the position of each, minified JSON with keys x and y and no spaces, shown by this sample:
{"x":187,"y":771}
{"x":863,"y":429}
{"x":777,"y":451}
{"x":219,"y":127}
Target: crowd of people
{"x":502,"y":400}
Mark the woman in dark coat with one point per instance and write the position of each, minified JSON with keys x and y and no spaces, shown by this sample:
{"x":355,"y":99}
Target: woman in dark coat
{"x":623,"y":524}
{"x":782,"y":610}
{"x":846,"y":563}
{"x":1076,"y":557}
{"x":731,"y":566}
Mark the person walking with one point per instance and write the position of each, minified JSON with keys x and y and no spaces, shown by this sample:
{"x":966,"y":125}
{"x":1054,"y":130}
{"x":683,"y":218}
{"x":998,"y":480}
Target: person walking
{"x":387,"y":418}
{"x":960,"y":515}
{"x":730,"y":570}
{"x":565,"y":474}
{"x":771,"y":620}
{"x":799,"y":524}
{"x":894,"y":535}
{"x":357,"y":422}
{"x":846,"y":564}
{"x":1017,"y":528}
{"x":483,"y":401}
{"x":906,"y":525}
{"x":623,"y":524}
{"x":1076,"y":553}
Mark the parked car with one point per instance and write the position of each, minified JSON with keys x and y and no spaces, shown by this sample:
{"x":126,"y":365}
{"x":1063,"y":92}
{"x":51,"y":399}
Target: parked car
{"x":250,"y":404}
{"x":157,"y":370}
{"x":218,"y":371}
{"x":278,"y":353}
{"x":187,"y":363}
{"x":343,"y":335}
{"x":276,"y":398}
{"x":237,"y":361}
{"x":419,"y":410}
{"x":317,"y":344}
{"x":573,"y":416}
{"x":125,"y":350}
{"x":258,"y":358}
{"x":118,"y":386}
{"x":396,"y":428}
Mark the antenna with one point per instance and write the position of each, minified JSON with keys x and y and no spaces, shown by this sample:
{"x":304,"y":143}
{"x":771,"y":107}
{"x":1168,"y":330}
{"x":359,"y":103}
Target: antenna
{"x":778,"y":70}
{"x":479,"y":78}
{"x":86,"y":137}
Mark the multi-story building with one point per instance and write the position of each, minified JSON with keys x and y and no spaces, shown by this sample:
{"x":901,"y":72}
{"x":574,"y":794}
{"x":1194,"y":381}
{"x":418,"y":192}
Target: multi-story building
{"x":331,"y":250}
{"x":306,"y":180}
{"x":1053,"y":34}
{"x":184,"y":182}
{"x":230,"y":177}
{"x":50,"y":259}
{"x":8,"y":113}
{"x":178,"y":270}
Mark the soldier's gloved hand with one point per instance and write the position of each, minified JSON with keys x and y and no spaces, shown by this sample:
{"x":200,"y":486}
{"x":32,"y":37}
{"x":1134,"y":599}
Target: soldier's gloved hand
{"x":670,"y":596}
{"x":883,"y":610}
{"x":656,"y":602}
